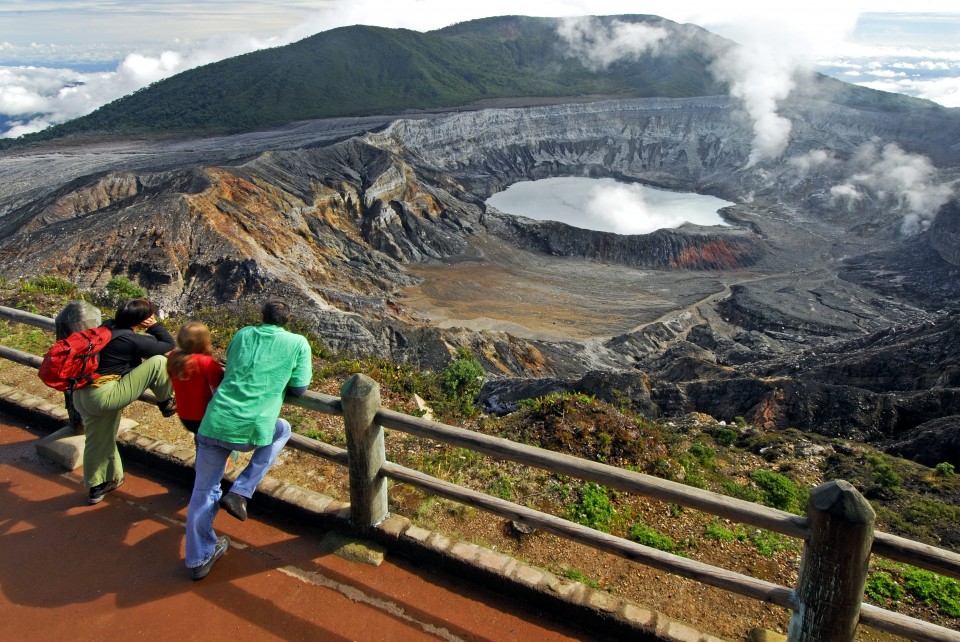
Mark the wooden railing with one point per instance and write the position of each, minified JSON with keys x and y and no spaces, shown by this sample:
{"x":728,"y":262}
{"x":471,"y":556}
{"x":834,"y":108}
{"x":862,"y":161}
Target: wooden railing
{"x":837,"y":532}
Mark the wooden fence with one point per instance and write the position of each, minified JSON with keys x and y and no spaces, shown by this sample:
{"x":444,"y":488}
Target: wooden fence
{"x":838,"y":531}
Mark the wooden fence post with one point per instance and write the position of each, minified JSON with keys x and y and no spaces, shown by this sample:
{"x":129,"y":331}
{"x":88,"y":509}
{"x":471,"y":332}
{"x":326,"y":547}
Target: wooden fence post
{"x":360,"y":397}
{"x":833,"y":571}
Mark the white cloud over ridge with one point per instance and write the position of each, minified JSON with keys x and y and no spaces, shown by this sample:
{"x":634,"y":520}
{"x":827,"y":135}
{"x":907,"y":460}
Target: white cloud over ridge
{"x":600,"y":45}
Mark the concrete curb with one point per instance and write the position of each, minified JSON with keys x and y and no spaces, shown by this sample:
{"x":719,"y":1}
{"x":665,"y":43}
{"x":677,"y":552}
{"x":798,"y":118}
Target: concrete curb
{"x":596,"y":610}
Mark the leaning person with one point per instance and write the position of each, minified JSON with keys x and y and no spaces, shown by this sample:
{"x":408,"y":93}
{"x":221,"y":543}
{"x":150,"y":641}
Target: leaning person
{"x":130,"y":364}
{"x":195,"y":375}
{"x":264,"y":363}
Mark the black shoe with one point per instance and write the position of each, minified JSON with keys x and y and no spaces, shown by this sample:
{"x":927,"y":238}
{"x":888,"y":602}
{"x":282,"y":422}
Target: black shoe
{"x":98,"y":492}
{"x":168,"y":408}
{"x":235,"y":504}
{"x":200,"y":572}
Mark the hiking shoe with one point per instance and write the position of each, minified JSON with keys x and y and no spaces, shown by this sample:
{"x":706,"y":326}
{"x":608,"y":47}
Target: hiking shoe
{"x":200,"y":572}
{"x":235,"y":504}
{"x":98,"y":492}
{"x":168,"y":408}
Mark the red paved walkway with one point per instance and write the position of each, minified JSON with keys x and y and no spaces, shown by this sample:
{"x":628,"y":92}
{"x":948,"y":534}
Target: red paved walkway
{"x":115,"y":571}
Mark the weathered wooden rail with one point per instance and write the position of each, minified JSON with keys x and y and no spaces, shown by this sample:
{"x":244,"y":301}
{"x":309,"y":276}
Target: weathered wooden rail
{"x":837,"y":532}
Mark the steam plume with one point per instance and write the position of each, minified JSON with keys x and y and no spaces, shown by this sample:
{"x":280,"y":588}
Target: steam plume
{"x":761,"y":79}
{"x":887,"y":173}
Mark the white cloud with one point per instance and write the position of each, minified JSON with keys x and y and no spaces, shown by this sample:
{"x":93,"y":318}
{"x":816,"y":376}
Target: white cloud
{"x":817,"y":160}
{"x":760,"y":78}
{"x":886,"y":73}
{"x":623,"y":209}
{"x":600,"y":45}
{"x":38,"y":97}
{"x":945,"y":91}
{"x":897,"y":179}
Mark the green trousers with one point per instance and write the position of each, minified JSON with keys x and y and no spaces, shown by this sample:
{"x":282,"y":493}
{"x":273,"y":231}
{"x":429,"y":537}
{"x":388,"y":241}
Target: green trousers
{"x":101,"y":408}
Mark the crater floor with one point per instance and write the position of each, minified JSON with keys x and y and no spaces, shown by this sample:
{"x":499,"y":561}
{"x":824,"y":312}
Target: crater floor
{"x":534,"y":296}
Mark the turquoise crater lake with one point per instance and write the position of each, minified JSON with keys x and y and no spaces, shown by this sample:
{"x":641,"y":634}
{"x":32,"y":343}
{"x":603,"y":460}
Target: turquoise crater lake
{"x":607,"y":205}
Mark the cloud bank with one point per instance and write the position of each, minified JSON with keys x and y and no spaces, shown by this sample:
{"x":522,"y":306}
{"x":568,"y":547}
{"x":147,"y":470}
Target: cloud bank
{"x":33,"y":98}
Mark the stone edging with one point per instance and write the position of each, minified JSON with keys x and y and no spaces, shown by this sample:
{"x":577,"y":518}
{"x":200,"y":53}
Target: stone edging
{"x":598,"y":610}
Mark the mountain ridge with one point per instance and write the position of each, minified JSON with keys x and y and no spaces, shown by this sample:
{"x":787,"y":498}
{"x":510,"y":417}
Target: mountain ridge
{"x":363,"y":70}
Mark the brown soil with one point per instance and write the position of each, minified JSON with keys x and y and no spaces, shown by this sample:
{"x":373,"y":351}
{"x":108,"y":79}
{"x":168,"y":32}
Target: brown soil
{"x":710,"y":610}
{"x":535,"y":296}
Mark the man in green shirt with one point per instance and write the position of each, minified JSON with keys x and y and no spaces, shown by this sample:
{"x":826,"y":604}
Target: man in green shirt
{"x":264,"y":364}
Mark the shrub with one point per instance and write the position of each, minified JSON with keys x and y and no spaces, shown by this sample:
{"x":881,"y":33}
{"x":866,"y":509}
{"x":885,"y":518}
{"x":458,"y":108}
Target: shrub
{"x":933,"y":589}
{"x":592,"y":508}
{"x":119,"y":290}
{"x":778,"y":491}
{"x":886,"y":482}
{"x":720,"y":533}
{"x":944,"y":469}
{"x":703,"y":454}
{"x":49,"y":285}
{"x":462,"y":379}
{"x":767,"y":542}
{"x":724,"y":436}
{"x":742,"y":491}
{"x":502,"y":487}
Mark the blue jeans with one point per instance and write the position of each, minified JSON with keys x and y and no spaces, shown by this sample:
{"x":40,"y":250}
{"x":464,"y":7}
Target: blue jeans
{"x":212,"y":457}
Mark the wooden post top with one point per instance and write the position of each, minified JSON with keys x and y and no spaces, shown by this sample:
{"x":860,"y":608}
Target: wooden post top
{"x":358,"y":386}
{"x":840,"y":499}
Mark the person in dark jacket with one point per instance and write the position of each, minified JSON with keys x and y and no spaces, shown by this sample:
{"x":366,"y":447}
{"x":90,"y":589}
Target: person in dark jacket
{"x":131,"y":363}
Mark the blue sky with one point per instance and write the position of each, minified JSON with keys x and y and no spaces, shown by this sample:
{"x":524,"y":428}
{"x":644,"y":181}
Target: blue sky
{"x":60,"y":59}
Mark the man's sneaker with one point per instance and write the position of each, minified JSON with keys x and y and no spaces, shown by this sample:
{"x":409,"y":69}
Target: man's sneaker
{"x":98,"y":492}
{"x":200,"y":572}
{"x":235,"y":504}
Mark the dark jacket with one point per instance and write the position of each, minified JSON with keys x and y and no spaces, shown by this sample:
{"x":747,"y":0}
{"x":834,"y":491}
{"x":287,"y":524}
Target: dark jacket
{"x":127,"y":349}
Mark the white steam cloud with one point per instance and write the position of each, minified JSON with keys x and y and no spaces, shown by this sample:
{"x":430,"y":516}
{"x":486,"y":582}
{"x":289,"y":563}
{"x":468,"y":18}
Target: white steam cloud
{"x":761,"y":79}
{"x":600,"y":45}
{"x":887,"y":174}
{"x":624,"y":210}
{"x":757,"y":75}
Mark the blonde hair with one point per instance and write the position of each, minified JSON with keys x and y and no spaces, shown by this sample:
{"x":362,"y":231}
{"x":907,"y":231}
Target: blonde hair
{"x":193,"y":338}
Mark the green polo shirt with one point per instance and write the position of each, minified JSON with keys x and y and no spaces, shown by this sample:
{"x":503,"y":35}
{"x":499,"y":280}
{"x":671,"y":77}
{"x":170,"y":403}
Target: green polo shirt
{"x":261,"y":362}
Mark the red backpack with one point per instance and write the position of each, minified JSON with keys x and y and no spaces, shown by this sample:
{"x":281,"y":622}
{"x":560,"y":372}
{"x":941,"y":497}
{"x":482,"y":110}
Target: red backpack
{"x":72,"y":363}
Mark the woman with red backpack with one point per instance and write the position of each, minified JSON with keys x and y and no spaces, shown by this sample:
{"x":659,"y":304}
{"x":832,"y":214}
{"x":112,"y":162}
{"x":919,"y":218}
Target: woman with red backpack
{"x":131,"y":363}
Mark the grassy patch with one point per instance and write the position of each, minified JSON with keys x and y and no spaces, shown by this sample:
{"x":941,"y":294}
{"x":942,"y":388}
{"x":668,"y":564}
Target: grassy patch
{"x":592,"y":508}
{"x":579,"y":576}
{"x":642,"y":534}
